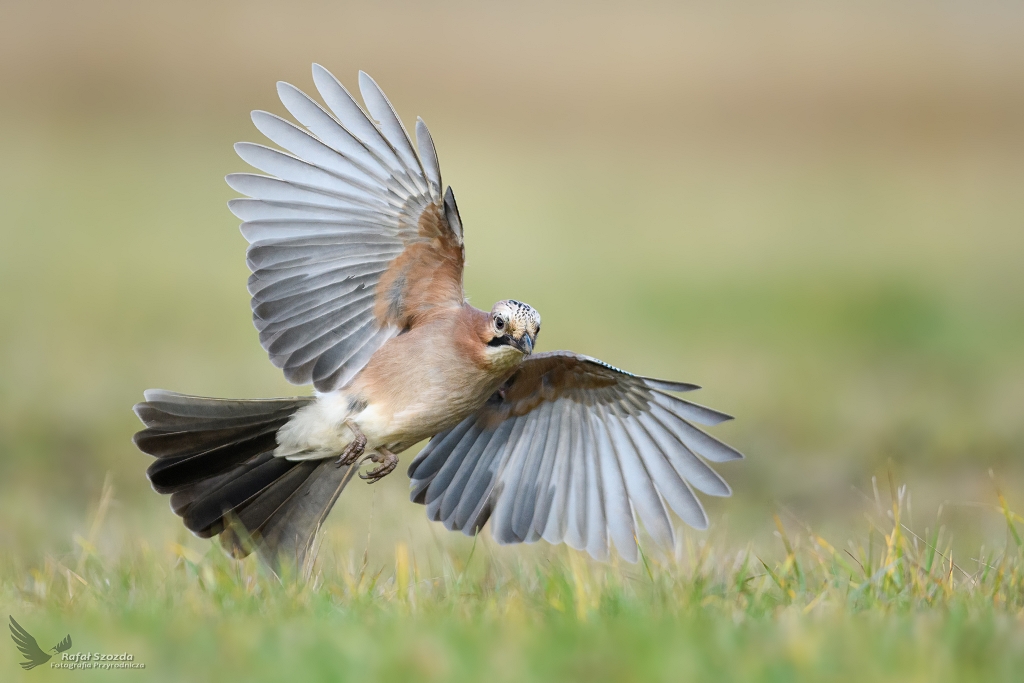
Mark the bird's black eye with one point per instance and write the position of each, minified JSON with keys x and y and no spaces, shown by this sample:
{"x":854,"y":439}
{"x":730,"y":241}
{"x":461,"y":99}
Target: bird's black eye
{"x":499,"y":323}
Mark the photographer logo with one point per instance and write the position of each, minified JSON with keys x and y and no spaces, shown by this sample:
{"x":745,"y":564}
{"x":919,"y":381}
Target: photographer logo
{"x":61,"y":658}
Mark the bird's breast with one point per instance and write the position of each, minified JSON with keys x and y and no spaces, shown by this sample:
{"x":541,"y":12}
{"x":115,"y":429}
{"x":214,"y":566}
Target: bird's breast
{"x":423,"y":382}
{"x":421,"y":404}
{"x":418,"y":384}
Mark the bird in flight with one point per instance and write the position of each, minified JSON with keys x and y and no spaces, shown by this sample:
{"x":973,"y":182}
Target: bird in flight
{"x":29,"y":648}
{"x":356,"y":252}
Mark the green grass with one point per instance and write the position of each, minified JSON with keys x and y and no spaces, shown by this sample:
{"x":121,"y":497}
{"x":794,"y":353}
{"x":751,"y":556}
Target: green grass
{"x":885,"y":605}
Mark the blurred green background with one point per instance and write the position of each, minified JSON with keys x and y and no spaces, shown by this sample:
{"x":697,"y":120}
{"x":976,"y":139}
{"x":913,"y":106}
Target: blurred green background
{"x":815,"y":211}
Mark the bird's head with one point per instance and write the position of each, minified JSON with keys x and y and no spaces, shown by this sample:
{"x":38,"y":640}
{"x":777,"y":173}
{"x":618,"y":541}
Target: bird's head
{"x":514,"y":329}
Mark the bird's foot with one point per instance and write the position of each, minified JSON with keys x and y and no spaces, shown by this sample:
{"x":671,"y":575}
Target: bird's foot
{"x":388,"y":462}
{"x":354,"y":449}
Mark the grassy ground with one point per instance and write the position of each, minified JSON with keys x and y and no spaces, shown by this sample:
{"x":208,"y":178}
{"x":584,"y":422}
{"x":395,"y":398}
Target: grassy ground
{"x":886,"y":605}
{"x":815,"y":215}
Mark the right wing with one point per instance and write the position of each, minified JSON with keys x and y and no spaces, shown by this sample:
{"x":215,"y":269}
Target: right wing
{"x":63,"y":645}
{"x":573,"y":450}
{"x":350,"y":239}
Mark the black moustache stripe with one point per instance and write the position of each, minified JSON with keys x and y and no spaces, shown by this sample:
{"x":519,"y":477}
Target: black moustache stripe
{"x":501,"y":341}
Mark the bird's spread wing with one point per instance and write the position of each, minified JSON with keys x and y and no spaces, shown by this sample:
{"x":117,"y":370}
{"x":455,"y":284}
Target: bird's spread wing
{"x":572,"y":449}
{"x":64,"y":645}
{"x":28,"y":646}
{"x":351,"y":241}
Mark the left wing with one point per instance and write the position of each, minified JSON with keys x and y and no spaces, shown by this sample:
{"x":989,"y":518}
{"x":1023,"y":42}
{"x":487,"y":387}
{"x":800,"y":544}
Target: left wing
{"x":573,"y":450}
{"x":351,"y":240}
{"x":28,"y":646}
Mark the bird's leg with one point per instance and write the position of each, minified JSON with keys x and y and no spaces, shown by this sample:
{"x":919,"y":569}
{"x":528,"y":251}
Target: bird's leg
{"x":354,"y":449}
{"x":388,"y":462}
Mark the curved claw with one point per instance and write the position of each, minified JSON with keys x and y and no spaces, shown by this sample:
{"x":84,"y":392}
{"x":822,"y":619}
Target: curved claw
{"x":354,"y":449}
{"x":388,"y":462}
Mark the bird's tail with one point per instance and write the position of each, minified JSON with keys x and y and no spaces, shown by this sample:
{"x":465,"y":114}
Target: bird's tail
{"x":215,"y":457}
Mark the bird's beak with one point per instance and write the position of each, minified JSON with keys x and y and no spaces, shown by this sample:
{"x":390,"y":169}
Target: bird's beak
{"x":525,"y":344}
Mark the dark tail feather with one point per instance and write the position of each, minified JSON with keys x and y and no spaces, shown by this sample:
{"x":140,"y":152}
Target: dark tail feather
{"x":215,"y":457}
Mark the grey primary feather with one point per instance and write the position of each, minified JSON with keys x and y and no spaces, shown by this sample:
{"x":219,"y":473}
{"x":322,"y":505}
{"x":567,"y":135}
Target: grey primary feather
{"x":511,"y":468}
{"x":277,"y":316}
{"x":479,"y":486}
{"x":597,"y":524}
{"x":300,"y":343}
{"x":697,"y":440}
{"x":291,"y":348}
{"x":672,"y":481}
{"x":554,"y":527}
{"x":362,"y":169}
{"x":269,"y":231}
{"x":690,"y":411}
{"x":574,"y":450}
{"x":576,"y":500}
{"x":276,"y":285}
{"x":389,"y":124}
{"x":429,"y":460}
{"x":618,"y":511}
{"x":524,"y":502}
{"x":333,"y":213}
{"x":480,"y":457}
{"x":354,"y":138}
{"x":545,"y":473}
{"x":428,"y":156}
{"x":354,"y":120}
{"x":298,"y":172}
{"x":474,"y":439}
{"x":346,"y":368}
{"x":682,"y":461}
{"x":271,"y":189}
{"x":640,"y":486}
{"x":305,"y":252}
{"x":257,"y":210}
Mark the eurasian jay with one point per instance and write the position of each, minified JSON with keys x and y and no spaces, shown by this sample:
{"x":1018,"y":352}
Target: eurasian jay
{"x":356,"y":252}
